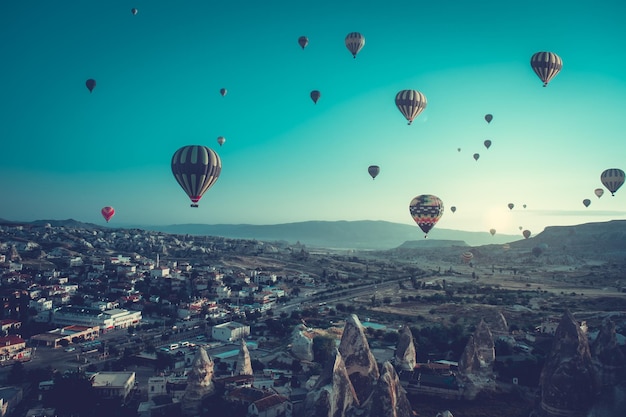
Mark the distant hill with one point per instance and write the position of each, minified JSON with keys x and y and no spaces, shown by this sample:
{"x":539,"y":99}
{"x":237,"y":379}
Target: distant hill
{"x":364,"y":234}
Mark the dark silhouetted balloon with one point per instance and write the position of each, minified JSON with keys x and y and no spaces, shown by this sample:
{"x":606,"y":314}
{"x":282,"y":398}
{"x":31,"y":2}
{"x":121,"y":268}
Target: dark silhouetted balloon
{"x":487,"y":144}
{"x":354,"y":42}
{"x":510,"y":206}
{"x":524,"y":205}
{"x":612,"y":179}
{"x":411,"y":103}
{"x":134,"y":11}
{"x":303,"y":41}
{"x":488,"y":118}
{"x":476,"y":156}
{"x":221,"y":140}
{"x":546,"y":65}
{"x":426,"y":210}
{"x":373,"y":170}
{"x":315,"y":95}
{"x":453,"y":209}
{"x":526,"y":234}
{"x":223,"y":91}
{"x":586,"y":202}
{"x":91,"y":84}
{"x":492,"y":231}
{"x":196,"y":168}
{"x":107,"y":212}
{"x":537,"y":251}
{"x":599,"y":192}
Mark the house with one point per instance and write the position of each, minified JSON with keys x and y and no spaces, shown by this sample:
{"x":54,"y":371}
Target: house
{"x":113,"y":385}
{"x":13,"y":348}
{"x":230,"y":331}
{"x":9,"y":324}
{"x":273,"y":405}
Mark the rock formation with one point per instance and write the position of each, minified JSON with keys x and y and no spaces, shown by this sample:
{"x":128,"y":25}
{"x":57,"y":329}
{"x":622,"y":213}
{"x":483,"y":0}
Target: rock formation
{"x":302,"y":344}
{"x":389,"y":398}
{"x":607,"y":358}
{"x":444,"y":414}
{"x":476,"y":362}
{"x":244,"y":365}
{"x":405,"y":356}
{"x":358,"y":358}
{"x":568,"y":382}
{"x":199,"y":384}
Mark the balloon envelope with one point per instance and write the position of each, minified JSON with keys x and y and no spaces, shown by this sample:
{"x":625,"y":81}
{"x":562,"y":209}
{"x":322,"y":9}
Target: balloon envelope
{"x":492,"y":231}
{"x":599,"y":192}
{"x":526,"y":234}
{"x":411,"y":103}
{"x":107,"y":212}
{"x":303,"y":41}
{"x":221,"y":140}
{"x":196,"y":169}
{"x":467,"y":256}
{"x":373,"y":170}
{"x":488,"y":118}
{"x":134,"y":11}
{"x":487,"y":143}
{"x":546,"y":65}
{"x":354,"y":42}
{"x":426,"y":210}
{"x":586,"y":202}
{"x":91,"y":84}
{"x":453,"y":209}
{"x":612,"y":179}
{"x":223,"y":91}
{"x":315,"y":95}
{"x":476,"y":156}
{"x":510,"y":206}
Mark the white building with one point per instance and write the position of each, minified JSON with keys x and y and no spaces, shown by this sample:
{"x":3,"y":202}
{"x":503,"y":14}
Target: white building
{"x":85,"y":316}
{"x":230,"y":331}
{"x":112,"y":385}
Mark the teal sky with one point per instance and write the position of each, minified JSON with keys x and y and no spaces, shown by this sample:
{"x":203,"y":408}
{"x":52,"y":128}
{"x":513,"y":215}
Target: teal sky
{"x":66,"y":152}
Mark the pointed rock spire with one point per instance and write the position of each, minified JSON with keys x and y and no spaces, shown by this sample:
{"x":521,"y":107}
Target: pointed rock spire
{"x":244,"y":365}
{"x":405,"y":356}
{"x":199,"y":384}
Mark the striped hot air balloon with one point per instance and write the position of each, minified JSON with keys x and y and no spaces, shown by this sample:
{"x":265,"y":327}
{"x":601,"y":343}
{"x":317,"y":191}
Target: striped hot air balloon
{"x":354,"y":42}
{"x":612,"y":179}
{"x":426,"y":211}
{"x":546,"y":65}
{"x":410,"y":103}
{"x":467,"y":257}
{"x":196,"y":168}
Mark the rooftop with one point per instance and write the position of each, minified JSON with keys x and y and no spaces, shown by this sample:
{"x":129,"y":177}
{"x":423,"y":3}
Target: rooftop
{"x":111,"y":379}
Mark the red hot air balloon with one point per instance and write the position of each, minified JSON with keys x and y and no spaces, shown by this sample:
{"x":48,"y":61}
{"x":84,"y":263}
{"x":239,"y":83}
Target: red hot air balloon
{"x":303,"y":41}
{"x":467,"y":256}
{"x":196,"y":168}
{"x":488,"y":118}
{"x":426,"y":210}
{"x":91,"y":84}
{"x":354,"y":42}
{"x":315,"y":95}
{"x":107,"y":213}
{"x":546,"y":65}
{"x":373,"y":170}
{"x":223,"y":91}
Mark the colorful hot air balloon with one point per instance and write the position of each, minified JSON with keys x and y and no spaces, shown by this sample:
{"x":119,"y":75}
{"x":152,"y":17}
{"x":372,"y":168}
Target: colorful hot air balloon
{"x":546,"y":65}
{"x":196,"y":168}
{"x":510,"y":206}
{"x":488,"y":118}
{"x":411,"y":103}
{"x":586,"y":202}
{"x":223,"y":91}
{"x":354,"y":42}
{"x":492,"y":231}
{"x":487,"y":143}
{"x":467,"y":256}
{"x":476,"y":156}
{"x":453,"y":209}
{"x":426,"y":211}
{"x":107,"y":212}
{"x":599,"y":192}
{"x":134,"y":11}
{"x":526,"y":234}
{"x":315,"y":95}
{"x":303,"y":41}
{"x":221,"y":140}
{"x":373,"y":170}
{"x":91,"y":84}
{"x":612,"y":179}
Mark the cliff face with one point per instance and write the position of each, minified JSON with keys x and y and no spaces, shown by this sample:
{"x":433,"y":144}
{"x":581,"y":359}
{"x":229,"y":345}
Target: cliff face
{"x":406,"y":357}
{"x":389,"y":398}
{"x":199,"y":384}
{"x":568,"y":381}
{"x":608,"y":360}
{"x":244,"y":365}
{"x":476,"y":362}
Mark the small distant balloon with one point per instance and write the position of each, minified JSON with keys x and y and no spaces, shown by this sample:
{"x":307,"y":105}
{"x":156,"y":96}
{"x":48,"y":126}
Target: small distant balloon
{"x":537,"y":251}
{"x":458,"y":149}
{"x":612,"y":179}
{"x":599,"y":192}
{"x":91,"y":84}
{"x":526,"y":234}
{"x":453,"y":209}
{"x":373,"y":170}
{"x":467,"y":256}
{"x":487,"y":144}
{"x":476,"y":156}
{"x":492,"y":231}
{"x":221,"y":140}
{"x":107,"y":213}
{"x":134,"y":11}
{"x":488,"y":118}
{"x":303,"y":41}
{"x":354,"y":42}
{"x":546,"y":65}
{"x":586,"y":202}
{"x":315,"y":95}
{"x":524,"y":205}
{"x":223,"y":91}
{"x":510,"y":206}
{"x":520,"y":228}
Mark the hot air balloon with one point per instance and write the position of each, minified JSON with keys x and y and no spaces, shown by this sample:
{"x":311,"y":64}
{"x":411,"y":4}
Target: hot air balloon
{"x":586,"y":202}
{"x":598,"y":192}
{"x":612,"y":179}
{"x":223,"y":91}
{"x":458,"y":149}
{"x":467,"y":256}
{"x":520,"y":228}
{"x":453,"y":209}
{"x":373,"y":170}
{"x":488,"y":118}
{"x":315,"y":95}
{"x":91,"y":84}
{"x":426,"y":211}
{"x":411,"y":103}
{"x":107,"y":213}
{"x":526,"y":234}
{"x":492,"y":231}
{"x":221,"y":140}
{"x":355,"y":42}
{"x":487,"y":143}
{"x":510,"y":206}
{"x":546,"y":65}
{"x":303,"y":41}
{"x":196,"y":168}
{"x":134,"y":11}
{"x":524,"y":205}
{"x":476,"y":156}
